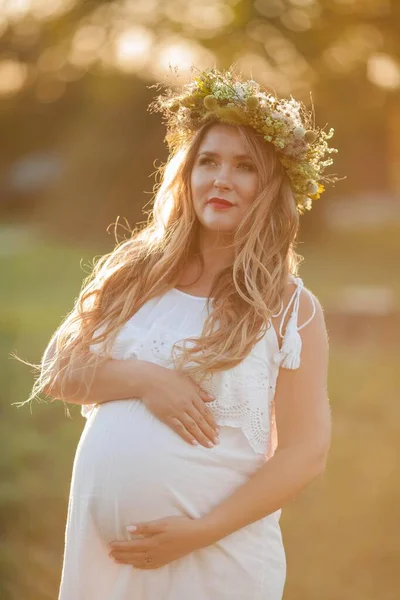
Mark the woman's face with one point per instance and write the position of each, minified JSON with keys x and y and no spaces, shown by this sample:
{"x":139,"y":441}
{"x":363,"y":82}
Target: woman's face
{"x":223,"y":169}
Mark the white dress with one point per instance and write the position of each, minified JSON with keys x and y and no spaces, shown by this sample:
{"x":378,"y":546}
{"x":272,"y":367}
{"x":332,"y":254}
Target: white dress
{"x":131,"y":467}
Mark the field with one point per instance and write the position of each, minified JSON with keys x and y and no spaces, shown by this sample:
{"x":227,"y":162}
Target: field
{"x":341,"y":534}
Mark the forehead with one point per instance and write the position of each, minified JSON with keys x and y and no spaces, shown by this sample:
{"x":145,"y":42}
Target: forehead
{"x":223,"y":139}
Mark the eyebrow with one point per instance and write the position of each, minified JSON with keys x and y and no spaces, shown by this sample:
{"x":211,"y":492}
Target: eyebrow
{"x":216,"y":155}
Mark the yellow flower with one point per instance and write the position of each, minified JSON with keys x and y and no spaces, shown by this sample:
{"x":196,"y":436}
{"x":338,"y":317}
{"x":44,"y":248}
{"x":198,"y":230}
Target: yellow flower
{"x":310,"y":136}
{"x":321,"y":188}
{"x":252,"y":102}
{"x":231,"y":115}
{"x":210,"y":102}
{"x":202,"y":86}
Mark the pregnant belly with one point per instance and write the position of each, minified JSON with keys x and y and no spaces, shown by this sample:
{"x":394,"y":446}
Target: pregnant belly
{"x":131,"y":467}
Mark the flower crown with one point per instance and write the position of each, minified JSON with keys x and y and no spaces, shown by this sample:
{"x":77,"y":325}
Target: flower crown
{"x":224,"y":96}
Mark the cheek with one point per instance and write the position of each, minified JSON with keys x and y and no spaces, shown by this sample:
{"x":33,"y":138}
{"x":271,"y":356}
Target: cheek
{"x":199,"y":184}
{"x":249,"y":186}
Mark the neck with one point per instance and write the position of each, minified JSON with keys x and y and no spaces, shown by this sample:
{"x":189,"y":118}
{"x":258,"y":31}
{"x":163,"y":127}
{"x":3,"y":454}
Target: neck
{"x":216,"y":250}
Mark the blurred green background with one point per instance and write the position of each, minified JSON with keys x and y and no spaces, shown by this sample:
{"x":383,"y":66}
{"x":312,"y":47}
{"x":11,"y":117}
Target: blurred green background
{"x":78,"y":151}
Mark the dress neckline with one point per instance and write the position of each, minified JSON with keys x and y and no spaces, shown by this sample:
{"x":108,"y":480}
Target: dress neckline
{"x":191,"y":295}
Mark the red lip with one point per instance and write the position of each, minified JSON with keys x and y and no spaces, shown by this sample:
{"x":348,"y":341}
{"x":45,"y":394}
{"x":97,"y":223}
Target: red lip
{"x":216,"y":200}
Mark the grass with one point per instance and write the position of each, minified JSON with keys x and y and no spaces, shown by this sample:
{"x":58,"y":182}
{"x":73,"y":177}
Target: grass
{"x":367,"y":258}
{"x":340,"y":534}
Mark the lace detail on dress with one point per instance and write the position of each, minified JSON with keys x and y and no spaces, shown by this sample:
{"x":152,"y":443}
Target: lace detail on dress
{"x":243,"y":398}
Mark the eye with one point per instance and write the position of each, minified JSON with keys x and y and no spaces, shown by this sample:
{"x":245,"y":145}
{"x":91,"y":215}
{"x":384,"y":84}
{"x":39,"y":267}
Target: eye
{"x":206,"y":161}
{"x":246,"y":166}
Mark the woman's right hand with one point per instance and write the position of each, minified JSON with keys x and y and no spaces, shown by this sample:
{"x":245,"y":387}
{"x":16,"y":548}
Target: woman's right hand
{"x":179,"y":402}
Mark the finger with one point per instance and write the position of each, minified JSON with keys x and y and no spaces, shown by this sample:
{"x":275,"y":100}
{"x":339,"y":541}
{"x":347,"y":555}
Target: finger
{"x":135,"y":560}
{"x":206,"y":413}
{"x":195,"y":430}
{"x":181,"y":430}
{"x":203,"y":425}
{"x":142,"y":564}
{"x":138,"y":560}
{"x":147,"y":528}
{"x":132,"y":545}
{"x":129,"y":556}
{"x":205,"y":396}
{"x":121,"y":557}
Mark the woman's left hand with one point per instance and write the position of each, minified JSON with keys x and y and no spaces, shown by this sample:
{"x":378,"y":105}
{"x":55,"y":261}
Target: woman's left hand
{"x":165,"y":541}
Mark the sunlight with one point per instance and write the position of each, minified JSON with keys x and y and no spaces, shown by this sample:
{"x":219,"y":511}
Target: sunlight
{"x":15,"y":10}
{"x":176,"y":51}
{"x":262,"y":70}
{"x":209,"y":15}
{"x":384,"y":71}
{"x":296,"y":20}
{"x":132,"y":48}
{"x":89,"y":39}
{"x":13,"y":75}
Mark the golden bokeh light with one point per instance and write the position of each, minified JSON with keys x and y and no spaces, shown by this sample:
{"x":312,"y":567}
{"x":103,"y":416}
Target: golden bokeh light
{"x":51,"y":60}
{"x":43,"y":10}
{"x":86,"y":45}
{"x":132,"y":49}
{"x":352,"y":48}
{"x":383,"y":70}
{"x":176,"y":51}
{"x":270,"y":8}
{"x":88,"y":39}
{"x":142,"y":11}
{"x":13,"y":75}
{"x":208,"y":17}
{"x":296,"y":20}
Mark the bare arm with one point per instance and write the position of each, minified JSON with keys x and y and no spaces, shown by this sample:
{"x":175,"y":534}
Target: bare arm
{"x":304,"y":429}
{"x":173,"y":397}
{"x":106,"y":381}
{"x":110,"y":380}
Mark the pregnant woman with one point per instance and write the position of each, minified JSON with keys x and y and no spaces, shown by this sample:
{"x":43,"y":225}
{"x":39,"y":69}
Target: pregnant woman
{"x":200,"y":362}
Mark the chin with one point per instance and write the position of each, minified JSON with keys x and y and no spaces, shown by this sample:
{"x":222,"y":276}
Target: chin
{"x":219,"y":225}
{"x":219,"y":220}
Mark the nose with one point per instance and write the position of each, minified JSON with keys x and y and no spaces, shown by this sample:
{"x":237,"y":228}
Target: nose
{"x":222,"y":182}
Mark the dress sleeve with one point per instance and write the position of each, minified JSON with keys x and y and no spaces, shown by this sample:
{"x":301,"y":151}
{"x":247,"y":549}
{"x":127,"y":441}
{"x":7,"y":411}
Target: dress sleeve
{"x":289,"y":355}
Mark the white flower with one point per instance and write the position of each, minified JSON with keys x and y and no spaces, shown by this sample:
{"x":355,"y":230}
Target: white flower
{"x":312,"y":187}
{"x":279,"y":116}
{"x":299,"y":132}
{"x":254,"y":85}
{"x":240,"y":92}
{"x":307,"y":203}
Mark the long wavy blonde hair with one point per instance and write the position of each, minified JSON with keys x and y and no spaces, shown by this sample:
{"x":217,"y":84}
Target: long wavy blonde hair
{"x":245,"y":294}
